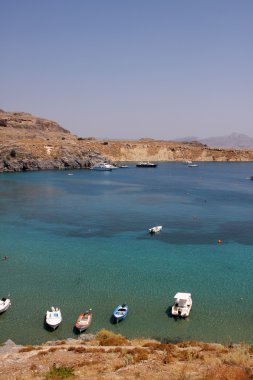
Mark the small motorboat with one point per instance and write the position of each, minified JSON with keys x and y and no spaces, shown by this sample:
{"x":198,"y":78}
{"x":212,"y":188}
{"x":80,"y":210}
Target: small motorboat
{"x":182,"y":305}
{"x":84,"y":321}
{"x":54,"y":317}
{"x":154,"y":230}
{"x":5,"y":303}
{"x":193,"y":165}
{"x":120,"y":312}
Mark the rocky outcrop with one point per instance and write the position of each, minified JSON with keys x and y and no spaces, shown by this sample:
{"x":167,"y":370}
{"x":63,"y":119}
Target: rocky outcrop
{"x":30,"y":143}
{"x":22,"y":120}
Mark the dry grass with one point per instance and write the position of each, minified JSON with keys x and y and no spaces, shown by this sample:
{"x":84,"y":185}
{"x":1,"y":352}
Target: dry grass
{"x":153,"y":344}
{"x":27,"y":349}
{"x":238,"y":355}
{"x":109,"y":338}
{"x":112,"y":357}
{"x":228,"y":373}
{"x":79,"y":350}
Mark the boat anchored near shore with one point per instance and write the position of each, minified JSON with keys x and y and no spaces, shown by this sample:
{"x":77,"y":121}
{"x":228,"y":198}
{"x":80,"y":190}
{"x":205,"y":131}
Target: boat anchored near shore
{"x":53,"y":317}
{"x":84,"y":321}
{"x":120,"y":312}
{"x":182,"y":305}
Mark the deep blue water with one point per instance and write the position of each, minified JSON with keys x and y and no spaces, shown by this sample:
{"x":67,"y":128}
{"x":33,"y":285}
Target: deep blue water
{"x":80,"y":240}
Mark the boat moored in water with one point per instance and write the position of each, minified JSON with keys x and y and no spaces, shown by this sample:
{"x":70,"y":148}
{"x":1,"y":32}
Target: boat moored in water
{"x":5,"y":303}
{"x":182,"y":305}
{"x":120,"y":312}
{"x":53,"y":317}
{"x":102,"y":166}
{"x":146,"y":165}
{"x":154,"y":230}
{"x":84,"y":321}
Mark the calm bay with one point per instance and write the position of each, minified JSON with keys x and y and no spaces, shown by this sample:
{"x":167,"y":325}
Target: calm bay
{"x":79,"y":239}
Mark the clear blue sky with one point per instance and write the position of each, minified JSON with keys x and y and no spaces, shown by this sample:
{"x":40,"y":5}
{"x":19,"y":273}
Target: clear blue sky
{"x":130,"y":68}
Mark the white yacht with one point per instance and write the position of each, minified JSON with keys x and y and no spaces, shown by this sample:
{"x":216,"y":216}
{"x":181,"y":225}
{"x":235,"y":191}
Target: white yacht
{"x":53,"y":317}
{"x":5,"y":303}
{"x":182,"y":305}
{"x":104,"y":166}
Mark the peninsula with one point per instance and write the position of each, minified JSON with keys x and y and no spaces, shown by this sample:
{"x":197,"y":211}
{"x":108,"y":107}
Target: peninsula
{"x":28,"y":143}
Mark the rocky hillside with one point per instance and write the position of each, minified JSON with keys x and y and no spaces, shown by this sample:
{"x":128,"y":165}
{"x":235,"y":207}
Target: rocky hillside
{"x":110,"y":356}
{"x":31,"y":143}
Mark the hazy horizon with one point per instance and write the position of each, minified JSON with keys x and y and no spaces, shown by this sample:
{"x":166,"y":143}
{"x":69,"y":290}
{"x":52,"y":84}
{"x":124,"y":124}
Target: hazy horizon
{"x":135,"y":69}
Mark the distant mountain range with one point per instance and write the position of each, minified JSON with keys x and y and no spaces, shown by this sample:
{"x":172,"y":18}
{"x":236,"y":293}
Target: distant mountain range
{"x":234,"y":140}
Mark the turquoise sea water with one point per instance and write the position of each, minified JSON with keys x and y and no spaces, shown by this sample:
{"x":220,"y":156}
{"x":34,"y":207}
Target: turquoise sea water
{"x":80,"y":240}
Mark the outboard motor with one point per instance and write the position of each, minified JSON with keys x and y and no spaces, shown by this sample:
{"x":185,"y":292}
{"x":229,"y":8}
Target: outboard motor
{"x":179,"y":312}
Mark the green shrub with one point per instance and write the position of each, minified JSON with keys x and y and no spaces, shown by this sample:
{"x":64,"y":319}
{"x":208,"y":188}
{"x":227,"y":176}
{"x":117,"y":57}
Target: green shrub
{"x":58,"y":373}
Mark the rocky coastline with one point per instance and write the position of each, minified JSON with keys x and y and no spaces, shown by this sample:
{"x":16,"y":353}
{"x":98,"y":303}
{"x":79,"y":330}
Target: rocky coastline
{"x":29,"y":143}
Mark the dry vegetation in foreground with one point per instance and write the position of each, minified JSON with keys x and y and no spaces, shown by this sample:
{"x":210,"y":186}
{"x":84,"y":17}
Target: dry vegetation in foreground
{"x":111,"y":356}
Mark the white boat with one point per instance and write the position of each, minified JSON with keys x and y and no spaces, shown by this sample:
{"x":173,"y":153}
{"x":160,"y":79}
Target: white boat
{"x":193,"y":165}
{"x":104,"y":166}
{"x":53,"y":317}
{"x":155,"y":229}
{"x":5,"y":303}
{"x":182,"y":305}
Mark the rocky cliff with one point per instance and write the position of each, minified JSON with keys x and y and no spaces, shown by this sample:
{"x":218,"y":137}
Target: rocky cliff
{"x":31,"y":143}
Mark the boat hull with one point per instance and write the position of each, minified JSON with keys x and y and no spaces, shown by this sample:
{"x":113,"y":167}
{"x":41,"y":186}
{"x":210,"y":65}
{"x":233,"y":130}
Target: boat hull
{"x":53,"y":318}
{"x":120,"y":313}
{"x":180,"y":312}
{"x":182,"y":305}
{"x":83,"y":323}
{"x":5,"y":303}
{"x":102,"y":169}
{"x":156,"y":229}
{"x":146,"y":165}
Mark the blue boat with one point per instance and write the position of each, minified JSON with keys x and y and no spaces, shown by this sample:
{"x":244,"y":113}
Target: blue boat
{"x":120,"y":312}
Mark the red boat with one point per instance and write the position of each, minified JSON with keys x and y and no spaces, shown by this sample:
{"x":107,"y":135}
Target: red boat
{"x":84,"y":320}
